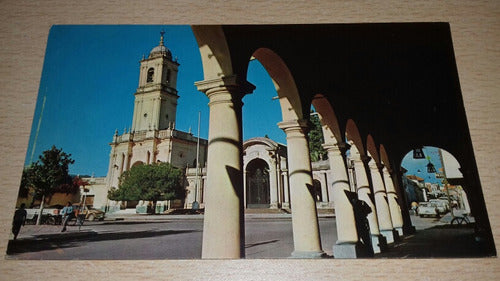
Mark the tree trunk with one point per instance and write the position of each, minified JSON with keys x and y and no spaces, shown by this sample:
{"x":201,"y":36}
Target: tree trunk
{"x":33,"y":199}
{"x":39,"y":219}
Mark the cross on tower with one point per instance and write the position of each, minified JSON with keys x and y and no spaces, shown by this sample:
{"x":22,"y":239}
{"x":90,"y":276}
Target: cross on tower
{"x":162,"y":32}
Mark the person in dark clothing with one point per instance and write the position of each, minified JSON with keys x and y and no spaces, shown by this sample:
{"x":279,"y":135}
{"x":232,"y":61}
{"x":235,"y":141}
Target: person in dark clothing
{"x":19,"y":220}
{"x":361,"y":211}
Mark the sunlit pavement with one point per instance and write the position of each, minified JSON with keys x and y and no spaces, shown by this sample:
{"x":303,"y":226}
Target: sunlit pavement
{"x":179,"y":237}
{"x":156,"y":237}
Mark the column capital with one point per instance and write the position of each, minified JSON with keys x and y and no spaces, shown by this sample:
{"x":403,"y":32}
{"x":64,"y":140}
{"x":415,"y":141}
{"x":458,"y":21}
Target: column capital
{"x":341,"y":147}
{"x":226,"y":82}
{"x":294,"y":125}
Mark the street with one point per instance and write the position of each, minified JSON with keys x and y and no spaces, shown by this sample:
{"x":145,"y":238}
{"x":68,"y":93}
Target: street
{"x":155,"y":239}
{"x":180,"y":237}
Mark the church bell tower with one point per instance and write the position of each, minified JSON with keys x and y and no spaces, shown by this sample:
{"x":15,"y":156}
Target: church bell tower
{"x":156,"y":97}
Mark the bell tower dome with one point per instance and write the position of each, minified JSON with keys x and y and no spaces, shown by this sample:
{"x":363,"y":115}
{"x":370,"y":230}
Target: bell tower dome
{"x":156,"y":97}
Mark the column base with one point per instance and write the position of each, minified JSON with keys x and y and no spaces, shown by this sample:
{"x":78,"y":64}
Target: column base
{"x":274,"y":205}
{"x":400,"y":231}
{"x":285,"y":205}
{"x":308,"y":255}
{"x":351,"y":251}
{"x":389,"y":235}
{"x":379,"y":243}
{"x":396,"y":235}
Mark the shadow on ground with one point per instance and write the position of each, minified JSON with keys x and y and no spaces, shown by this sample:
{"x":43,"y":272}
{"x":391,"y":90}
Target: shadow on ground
{"x":443,"y":241}
{"x":57,"y":241}
{"x":260,"y":243}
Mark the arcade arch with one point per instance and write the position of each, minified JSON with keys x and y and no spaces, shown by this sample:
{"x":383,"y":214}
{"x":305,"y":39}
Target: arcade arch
{"x":445,"y":182}
{"x":379,"y":191}
{"x":359,"y":160}
{"x":224,"y":60}
{"x":224,"y":200}
{"x":305,"y":225}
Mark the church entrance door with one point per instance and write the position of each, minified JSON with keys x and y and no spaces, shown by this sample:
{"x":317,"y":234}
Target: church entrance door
{"x":257,"y":184}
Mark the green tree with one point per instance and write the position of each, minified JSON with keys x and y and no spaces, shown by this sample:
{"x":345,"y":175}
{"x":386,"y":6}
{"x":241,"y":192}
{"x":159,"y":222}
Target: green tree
{"x":25,"y":185}
{"x":49,"y":175}
{"x":155,"y":182}
{"x":316,"y":140}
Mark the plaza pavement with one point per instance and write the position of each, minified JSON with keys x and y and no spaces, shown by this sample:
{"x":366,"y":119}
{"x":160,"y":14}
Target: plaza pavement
{"x":435,"y":238}
{"x":37,"y":231}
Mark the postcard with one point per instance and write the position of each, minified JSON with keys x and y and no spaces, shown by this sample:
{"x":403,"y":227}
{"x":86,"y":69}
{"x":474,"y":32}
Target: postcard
{"x":250,"y":141}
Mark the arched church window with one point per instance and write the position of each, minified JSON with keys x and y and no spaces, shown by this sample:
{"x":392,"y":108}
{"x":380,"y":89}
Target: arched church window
{"x":151,"y":73}
{"x":168,"y":75}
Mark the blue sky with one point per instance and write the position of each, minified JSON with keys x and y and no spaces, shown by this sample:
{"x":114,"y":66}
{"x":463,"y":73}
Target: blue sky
{"x":90,"y":74}
{"x":418,"y":167}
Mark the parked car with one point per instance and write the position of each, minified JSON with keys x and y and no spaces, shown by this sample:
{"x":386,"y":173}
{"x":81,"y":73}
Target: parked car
{"x":91,"y":214}
{"x":48,"y":214}
{"x":427,"y":209}
{"x":442,"y":205}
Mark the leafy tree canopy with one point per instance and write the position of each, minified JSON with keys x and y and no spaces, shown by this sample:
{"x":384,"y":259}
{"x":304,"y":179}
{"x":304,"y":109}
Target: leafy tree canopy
{"x":49,"y":174}
{"x":316,"y":140}
{"x":155,"y":182}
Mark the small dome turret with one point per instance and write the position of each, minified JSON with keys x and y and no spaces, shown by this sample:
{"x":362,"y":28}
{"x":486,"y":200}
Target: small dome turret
{"x":160,"y":50}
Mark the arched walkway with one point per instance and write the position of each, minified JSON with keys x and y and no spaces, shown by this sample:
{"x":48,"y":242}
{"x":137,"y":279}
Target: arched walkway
{"x":368,"y":83}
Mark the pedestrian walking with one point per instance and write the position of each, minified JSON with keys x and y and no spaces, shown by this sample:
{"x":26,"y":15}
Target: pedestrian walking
{"x":19,"y":220}
{"x":67,"y":213}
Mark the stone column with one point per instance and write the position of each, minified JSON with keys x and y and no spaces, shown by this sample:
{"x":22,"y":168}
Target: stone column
{"x":330,"y":179}
{"x":392,"y":198}
{"x":408,"y":227}
{"x":223,"y":228}
{"x":324,"y":189}
{"x":279,"y":182}
{"x":347,"y":245}
{"x":244,"y":189}
{"x":273,"y":185}
{"x":364,"y":193}
{"x":382,"y":206}
{"x":306,"y":239}
{"x":286,"y":189}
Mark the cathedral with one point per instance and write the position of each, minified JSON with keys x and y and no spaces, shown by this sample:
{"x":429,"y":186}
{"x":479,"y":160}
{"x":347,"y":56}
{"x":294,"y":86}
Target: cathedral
{"x":153,"y":138}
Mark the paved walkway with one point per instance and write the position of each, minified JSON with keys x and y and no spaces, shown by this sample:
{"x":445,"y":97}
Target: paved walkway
{"x":37,"y":231}
{"x":435,"y":238}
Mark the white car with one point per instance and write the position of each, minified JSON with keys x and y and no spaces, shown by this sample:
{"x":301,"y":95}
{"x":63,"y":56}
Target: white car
{"x":427,"y":209}
{"x":442,"y":205}
{"x":32,"y":213}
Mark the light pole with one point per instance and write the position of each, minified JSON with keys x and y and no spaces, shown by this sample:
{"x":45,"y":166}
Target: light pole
{"x":196,"y":205}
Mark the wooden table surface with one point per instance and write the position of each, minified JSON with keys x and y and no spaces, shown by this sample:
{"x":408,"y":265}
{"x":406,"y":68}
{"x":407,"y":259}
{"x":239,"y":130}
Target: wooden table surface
{"x":24,"y":30}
